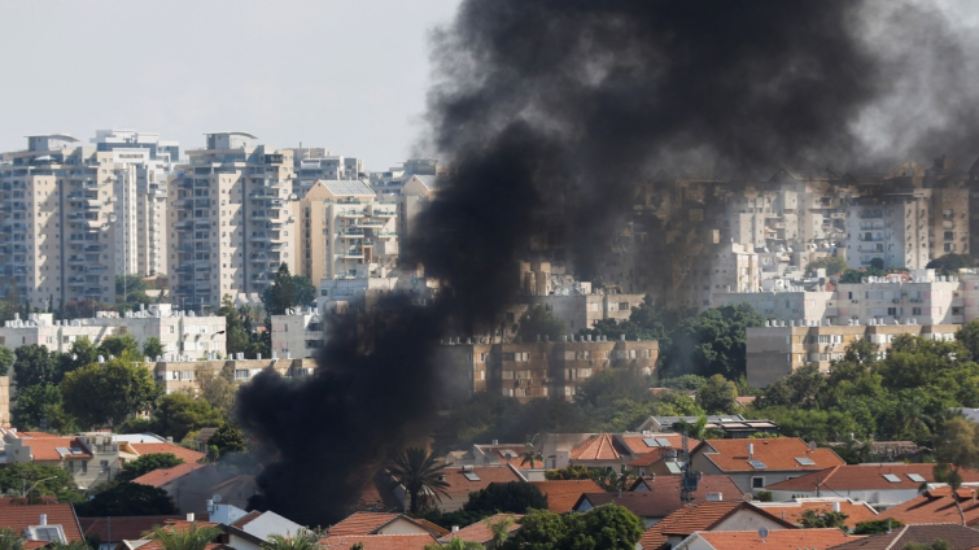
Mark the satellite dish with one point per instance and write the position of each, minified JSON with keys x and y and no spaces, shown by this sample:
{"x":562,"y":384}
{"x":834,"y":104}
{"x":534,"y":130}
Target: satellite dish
{"x":216,"y":498}
{"x":746,"y":497}
{"x":763,"y":532}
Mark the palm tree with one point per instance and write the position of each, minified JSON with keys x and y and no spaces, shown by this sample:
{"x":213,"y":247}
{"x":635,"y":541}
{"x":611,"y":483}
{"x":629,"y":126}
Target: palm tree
{"x":530,"y":454}
{"x":500,"y":529}
{"x":304,"y":541}
{"x":10,"y":539}
{"x":418,"y":471}
{"x":190,"y":538}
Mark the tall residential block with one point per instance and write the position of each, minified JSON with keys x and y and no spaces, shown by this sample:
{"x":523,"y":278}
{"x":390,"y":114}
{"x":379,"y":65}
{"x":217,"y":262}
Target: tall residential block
{"x":315,"y":164}
{"x":346,"y":232}
{"x":68,"y":220}
{"x":232,"y":220}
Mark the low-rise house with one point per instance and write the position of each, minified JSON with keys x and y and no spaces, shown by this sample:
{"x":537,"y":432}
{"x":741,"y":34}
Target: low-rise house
{"x":480,"y":532}
{"x":251,"y":530}
{"x":755,"y":464}
{"x":465,"y":480}
{"x":792,"y":512}
{"x":192,"y":489}
{"x":563,"y":494}
{"x":598,"y":450}
{"x":415,"y":541}
{"x":733,"y":426}
{"x":162,"y":476}
{"x":661,"y":462}
{"x":43,"y":522}
{"x":132,"y":451}
{"x":110,"y":531}
{"x":375,"y":523}
{"x":957,"y":537}
{"x":662,"y":497}
{"x":882,"y":485}
{"x":88,"y":462}
{"x":708,"y":516}
{"x":937,"y":505}
{"x":782,"y":539}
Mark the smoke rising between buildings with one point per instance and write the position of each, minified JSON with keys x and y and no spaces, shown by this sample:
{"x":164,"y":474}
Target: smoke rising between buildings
{"x":550,"y":112}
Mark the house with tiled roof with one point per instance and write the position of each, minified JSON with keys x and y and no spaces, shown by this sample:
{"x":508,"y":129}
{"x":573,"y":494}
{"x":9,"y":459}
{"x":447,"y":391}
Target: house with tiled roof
{"x":937,"y":505}
{"x":465,"y":480}
{"x":375,"y":523}
{"x":162,"y":476}
{"x":563,"y":494}
{"x":663,"y":498}
{"x":480,"y":532}
{"x":71,"y":453}
{"x":782,"y":539}
{"x":754,"y":464}
{"x":377,"y":495}
{"x":733,"y":426}
{"x":140,"y":449}
{"x":43,"y":522}
{"x":660,"y":462}
{"x":191,"y":491}
{"x":856,"y":512}
{"x":412,"y":541}
{"x":883,"y":485}
{"x":708,"y":516}
{"x":251,"y":530}
{"x":599,"y":450}
{"x":111,"y":531}
{"x":957,"y":537}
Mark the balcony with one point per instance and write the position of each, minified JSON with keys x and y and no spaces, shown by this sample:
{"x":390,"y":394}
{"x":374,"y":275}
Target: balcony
{"x":351,"y":214}
{"x":352,"y":234}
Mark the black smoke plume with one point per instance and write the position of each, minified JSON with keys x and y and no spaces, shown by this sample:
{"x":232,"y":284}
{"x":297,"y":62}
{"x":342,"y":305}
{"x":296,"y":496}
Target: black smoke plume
{"x":549,"y":112}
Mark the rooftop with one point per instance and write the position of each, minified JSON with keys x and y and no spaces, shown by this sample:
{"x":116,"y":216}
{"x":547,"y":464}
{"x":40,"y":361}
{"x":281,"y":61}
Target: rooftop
{"x":184,"y":453}
{"x":867,"y":477}
{"x":563,"y":494}
{"x":857,"y":512}
{"x":162,"y":476}
{"x":958,"y":537}
{"x":122,"y":527}
{"x":19,"y":518}
{"x":753,"y":455}
{"x":479,"y":531}
{"x":380,"y":542}
{"x":779,"y":539}
{"x":663,"y":497}
{"x":937,"y":506}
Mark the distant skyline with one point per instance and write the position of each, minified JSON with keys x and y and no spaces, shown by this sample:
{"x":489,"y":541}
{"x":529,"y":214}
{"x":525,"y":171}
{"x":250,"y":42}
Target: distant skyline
{"x":348,"y":76}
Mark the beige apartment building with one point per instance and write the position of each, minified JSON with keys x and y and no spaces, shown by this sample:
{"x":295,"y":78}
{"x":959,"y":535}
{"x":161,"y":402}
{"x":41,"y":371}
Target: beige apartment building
{"x":232,"y":219}
{"x":538,"y":369}
{"x":777,"y":351}
{"x":346,"y":232}
{"x":185,"y":376}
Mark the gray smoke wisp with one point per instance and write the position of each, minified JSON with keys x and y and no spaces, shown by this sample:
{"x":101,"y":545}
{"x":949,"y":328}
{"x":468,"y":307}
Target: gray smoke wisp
{"x":549,"y":112}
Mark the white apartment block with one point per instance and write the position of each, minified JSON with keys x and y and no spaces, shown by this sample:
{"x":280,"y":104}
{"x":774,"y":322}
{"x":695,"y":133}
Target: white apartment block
{"x":346,"y":232}
{"x":786,"y":305}
{"x":182,"y":334}
{"x":232,"y":220}
{"x":315,"y":164}
{"x":299,"y":334}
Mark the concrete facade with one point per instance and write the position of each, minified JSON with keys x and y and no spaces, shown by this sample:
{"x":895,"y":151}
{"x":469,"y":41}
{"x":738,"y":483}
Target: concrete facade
{"x":184,"y":376}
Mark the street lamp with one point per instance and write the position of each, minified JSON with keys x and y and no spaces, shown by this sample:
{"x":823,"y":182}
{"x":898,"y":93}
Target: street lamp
{"x":23,"y":482}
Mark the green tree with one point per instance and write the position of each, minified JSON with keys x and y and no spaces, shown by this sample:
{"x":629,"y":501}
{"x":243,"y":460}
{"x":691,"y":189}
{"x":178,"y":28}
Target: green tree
{"x":153,"y":348}
{"x":11,"y":540}
{"x":146,"y":464}
{"x":513,"y":497}
{"x":539,"y":530}
{"x":177,"y":414}
{"x":951,"y":263}
{"x":813,"y":520}
{"x":530,"y":455}
{"x":194,"y":537}
{"x":82,"y":352}
{"x":228,"y":439}
{"x":119,"y":345}
{"x":499,"y":530}
{"x":128,"y":499}
{"x":572,"y":472}
{"x":852,"y":276}
{"x":302,"y":541}
{"x":607,"y":527}
{"x":697,"y":430}
{"x":876,"y":526}
{"x":418,"y":471}
{"x":218,"y":389}
{"x":281,"y":294}
{"x":832,"y":264}
{"x":713,"y":342}
{"x":105,"y":394}
{"x":718,"y":396}
{"x":304,"y":290}
{"x":35,"y":406}
{"x":937,"y":544}
{"x":35,"y":365}
{"x":18,"y":477}
{"x":968,"y":336}
{"x":455,"y":544}
{"x":236,"y":335}
{"x":877,"y":263}
{"x":538,"y":322}
{"x":6,"y":360}
{"x":957,"y":448}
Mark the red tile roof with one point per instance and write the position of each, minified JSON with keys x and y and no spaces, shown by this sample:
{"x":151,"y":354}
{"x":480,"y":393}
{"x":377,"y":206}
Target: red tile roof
{"x":937,"y":506}
{"x":120,"y":528}
{"x":601,"y":447}
{"x":479,"y":532}
{"x":857,"y":512}
{"x":460,"y":486}
{"x":637,"y":444}
{"x":778,"y":454}
{"x":663,"y":498}
{"x":690,"y":519}
{"x":777,"y":539}
{"x":380,"y":542}
{"x":362,"y":523}
{"x":161,"y":448}
{"x":563,"y":494}
{"x":647,"y":459}
{"x":46,"y":448}
{"x":19,"y":518}
{"x":162,"y":476}
{"x":866,"y":477}
{"x":246,"y":519}
{"x":33,"y":434}
{"x":960,"y":538}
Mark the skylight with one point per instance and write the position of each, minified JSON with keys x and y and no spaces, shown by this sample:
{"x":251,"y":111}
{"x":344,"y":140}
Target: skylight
{"x":651,"y":442}
{"x":804,"y":461}
{"x":664,"y":442}
{"x":471,"y":476}
{"x":892,"y":478}
{"x":916,"y":478}
{"x":757,"y":464}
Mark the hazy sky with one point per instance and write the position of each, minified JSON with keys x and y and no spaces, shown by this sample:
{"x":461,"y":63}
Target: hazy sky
{"x":347,"y":75}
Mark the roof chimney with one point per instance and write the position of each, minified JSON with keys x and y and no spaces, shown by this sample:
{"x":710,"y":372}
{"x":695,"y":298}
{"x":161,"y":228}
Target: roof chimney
{"x":455,"y":528}
{"x":836,"y":507}
{"x":751,"y":451}
{"x":44,"y":519}
{"x":190,"y":517}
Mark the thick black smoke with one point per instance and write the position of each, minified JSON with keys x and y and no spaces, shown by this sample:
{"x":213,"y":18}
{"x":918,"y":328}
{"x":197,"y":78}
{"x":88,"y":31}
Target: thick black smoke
{"x":549,"y":112}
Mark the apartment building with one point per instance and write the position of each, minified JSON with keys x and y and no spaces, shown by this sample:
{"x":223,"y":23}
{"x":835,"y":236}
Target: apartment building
{"x":893,"y":229}
{"x":314,"y":164}
{"x":530,"y":370}
{"x":180,"y":332}
{"x":232,"y":220}
{"x":777,"y":351}
{"x":346,"y":232}
{"x":299,"y":333}
{"x":791,"y":304}
{"x":185,"y":375}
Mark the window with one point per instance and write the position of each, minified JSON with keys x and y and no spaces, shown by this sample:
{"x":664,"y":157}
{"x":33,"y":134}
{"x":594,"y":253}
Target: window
{"x":757,"y":464}
{"x":916,"y":478}
{"x":623,"y":306}
{"x":104,"y":465}
{"x":757,"y":482}
{"x":84,"y":464}
{"x":892,"y":478}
